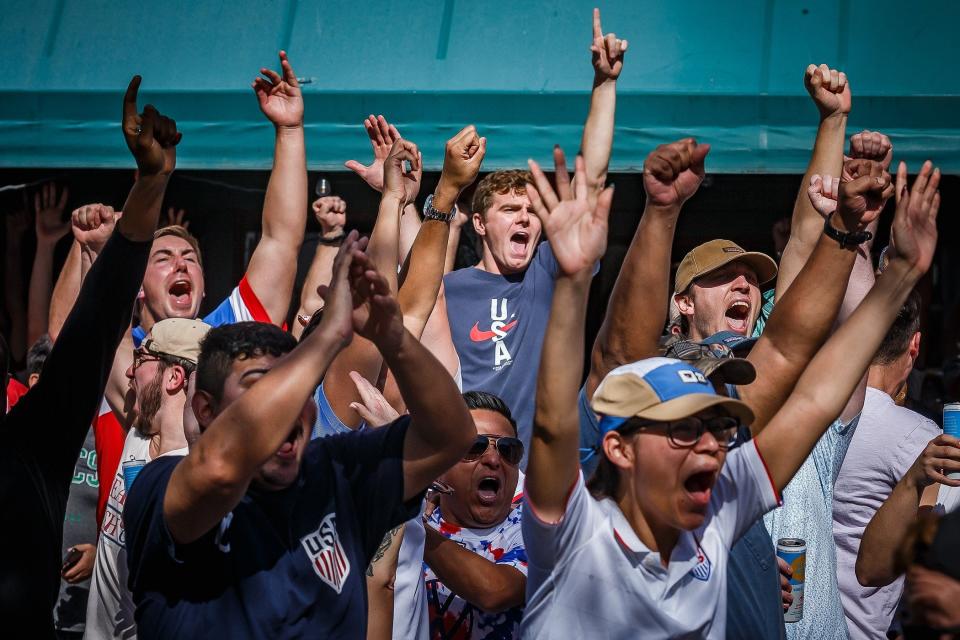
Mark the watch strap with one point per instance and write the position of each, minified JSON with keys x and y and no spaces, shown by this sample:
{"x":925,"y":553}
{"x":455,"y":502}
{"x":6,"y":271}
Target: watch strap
{"x":847,"y":239}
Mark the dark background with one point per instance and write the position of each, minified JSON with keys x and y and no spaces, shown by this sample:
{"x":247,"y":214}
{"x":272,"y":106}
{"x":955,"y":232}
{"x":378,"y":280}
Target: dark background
{"x":224,"y":209}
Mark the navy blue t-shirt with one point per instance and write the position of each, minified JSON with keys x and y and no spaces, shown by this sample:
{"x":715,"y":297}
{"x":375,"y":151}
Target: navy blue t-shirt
{"x":282,"y":564}
{"x":497,"y":323}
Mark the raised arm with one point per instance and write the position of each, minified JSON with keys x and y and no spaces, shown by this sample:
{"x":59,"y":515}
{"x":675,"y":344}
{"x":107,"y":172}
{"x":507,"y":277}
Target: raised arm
{"x":638,"y":304}
{"x":804,"y":317}
{"x":831,"y":94}
{"x":597,"y":142}
{"x":212,"y":479}
{"x":424,"y":269}
{"x":917,"y":489}
{"x":95,"y":324}
{"x":273,"y":265}
{"x":362,"y":356}
{"x":831,"y":377}
{"x":578,"y":236}
{"x":50,"y":227}
{"x":331,"y":213}
{"x":90,"y":238}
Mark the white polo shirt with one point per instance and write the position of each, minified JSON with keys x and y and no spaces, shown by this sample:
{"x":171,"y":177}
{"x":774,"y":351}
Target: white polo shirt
{"x":589,"y":576}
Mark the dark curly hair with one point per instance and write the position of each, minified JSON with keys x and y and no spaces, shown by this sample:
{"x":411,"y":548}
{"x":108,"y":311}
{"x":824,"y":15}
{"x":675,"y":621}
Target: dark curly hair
{"x":223,"y":345}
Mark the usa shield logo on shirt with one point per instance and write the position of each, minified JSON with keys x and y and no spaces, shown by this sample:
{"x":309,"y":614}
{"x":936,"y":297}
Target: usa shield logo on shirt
{"x":329,"y":560}
{"x":701,"y":570}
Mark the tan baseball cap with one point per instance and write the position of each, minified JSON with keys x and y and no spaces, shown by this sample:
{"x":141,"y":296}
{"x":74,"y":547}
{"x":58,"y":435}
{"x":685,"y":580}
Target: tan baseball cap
{"x":660,"y":389}
{"x":712,"y":255}
{"x":177,"y":337}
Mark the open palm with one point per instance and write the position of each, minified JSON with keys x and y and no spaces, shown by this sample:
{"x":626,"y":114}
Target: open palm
{"x":382,"y":135}
{"x":914,"y":228}
{"x":577,"y":232}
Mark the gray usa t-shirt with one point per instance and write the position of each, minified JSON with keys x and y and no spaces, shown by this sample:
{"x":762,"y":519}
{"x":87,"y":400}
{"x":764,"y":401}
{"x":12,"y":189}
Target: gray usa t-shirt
{"x":498,"y":324}
{"x":79,"y":526}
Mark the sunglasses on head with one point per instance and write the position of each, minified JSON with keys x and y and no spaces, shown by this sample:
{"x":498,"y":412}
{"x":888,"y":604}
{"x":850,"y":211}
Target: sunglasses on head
{"x":509,"y":448}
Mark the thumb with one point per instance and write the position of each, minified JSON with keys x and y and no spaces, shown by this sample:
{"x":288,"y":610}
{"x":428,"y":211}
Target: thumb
{"x":356,"y":167}
{"x":697,"y":158}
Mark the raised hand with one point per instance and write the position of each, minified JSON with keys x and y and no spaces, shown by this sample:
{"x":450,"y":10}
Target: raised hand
{"x":93,"y":224}
{"x":373,"y":407}
{"x":914,"y":230}
{"x":823,"y":192}
{"x":829,"y":89}
{"x":463,"y":157}
{"x":872,"y":145}
{"x":152,"y":138}
{"x":403,"y":185}
{"x":331,"y":213}
{"x":607,"y":51}
{"x":376,"y":313}
{"x":49,"y":222}
{"x":175,"y":218}
{"x":338,"y":299}
{"x":864,"y":190}
{"x":382,"y":136}
{"x":577,"y":232}
{"x":279,"y":97}
{"x":673,"y":172}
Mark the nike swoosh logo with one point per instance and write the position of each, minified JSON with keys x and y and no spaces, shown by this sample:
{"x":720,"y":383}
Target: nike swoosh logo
{"x":477,"y":335}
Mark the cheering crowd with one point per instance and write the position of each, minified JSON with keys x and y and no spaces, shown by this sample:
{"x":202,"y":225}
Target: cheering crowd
{"x":422,"y":454}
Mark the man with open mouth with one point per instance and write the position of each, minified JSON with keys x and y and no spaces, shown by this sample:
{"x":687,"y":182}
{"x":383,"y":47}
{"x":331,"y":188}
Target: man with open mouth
{"x":173,"y":285}
{"x":644,"y":547}
{"x":475,"y":563}
{"x":158,"y":377}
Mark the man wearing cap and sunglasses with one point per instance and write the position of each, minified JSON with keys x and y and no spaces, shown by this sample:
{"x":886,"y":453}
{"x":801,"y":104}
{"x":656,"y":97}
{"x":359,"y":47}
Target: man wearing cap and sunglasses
{"x":475,"y":562}
{"x":158,"y":376}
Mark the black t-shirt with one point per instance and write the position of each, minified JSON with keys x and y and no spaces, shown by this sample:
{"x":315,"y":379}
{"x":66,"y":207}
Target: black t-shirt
{"x":282,"y":564}
{"x":44,"y":432}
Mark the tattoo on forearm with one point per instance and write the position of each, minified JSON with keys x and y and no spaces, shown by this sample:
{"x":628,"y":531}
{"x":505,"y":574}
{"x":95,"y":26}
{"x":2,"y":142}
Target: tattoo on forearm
{"x":382,"y":549}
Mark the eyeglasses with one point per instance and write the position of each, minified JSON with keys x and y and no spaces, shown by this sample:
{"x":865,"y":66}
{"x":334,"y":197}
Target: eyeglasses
{"x":692,"y":350}
{"x":509,"y":448}
{"x":140,"y":356}
{"x":688,"y":431}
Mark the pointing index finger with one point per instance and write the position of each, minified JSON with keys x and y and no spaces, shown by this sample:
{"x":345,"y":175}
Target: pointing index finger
{"x":130,"y":98}
{"x":597,"y":30}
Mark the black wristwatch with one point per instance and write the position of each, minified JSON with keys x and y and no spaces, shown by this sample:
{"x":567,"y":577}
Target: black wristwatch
{"x":847,"y":240}
{"x":335,"y":241}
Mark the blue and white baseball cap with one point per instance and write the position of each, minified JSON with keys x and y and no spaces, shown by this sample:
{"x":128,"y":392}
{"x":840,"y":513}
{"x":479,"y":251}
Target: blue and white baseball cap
{"x":659,"y":389}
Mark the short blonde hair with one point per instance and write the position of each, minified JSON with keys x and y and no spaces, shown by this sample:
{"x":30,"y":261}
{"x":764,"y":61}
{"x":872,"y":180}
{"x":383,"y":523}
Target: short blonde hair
{"x":177,"y":231}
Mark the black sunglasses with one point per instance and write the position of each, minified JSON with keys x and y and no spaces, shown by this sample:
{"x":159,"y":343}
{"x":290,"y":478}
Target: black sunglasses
{"x":688,"y":431}
{"x":509,"y":448}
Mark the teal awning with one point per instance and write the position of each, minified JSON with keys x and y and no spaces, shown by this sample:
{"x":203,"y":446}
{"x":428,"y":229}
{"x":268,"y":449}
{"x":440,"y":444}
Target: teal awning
{"x":728,"y":73}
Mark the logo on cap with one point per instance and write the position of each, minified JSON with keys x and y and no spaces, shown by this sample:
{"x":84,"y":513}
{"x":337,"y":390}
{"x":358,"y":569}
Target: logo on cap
{"x":732,"y":250}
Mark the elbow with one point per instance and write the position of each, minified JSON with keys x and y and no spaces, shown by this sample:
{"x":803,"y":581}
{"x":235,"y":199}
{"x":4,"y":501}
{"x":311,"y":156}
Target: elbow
{"x":869,"y":576}
{"x":500,"y":600}
{"x":218,"y":475}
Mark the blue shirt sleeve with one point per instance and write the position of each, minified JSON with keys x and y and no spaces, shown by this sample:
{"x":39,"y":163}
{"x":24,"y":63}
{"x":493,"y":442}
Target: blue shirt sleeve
{"x":372,"y":460}
{"x":589,"y":434}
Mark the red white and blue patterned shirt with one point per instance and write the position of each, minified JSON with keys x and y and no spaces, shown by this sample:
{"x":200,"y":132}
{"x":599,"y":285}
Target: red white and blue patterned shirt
{"x":453,"y":617}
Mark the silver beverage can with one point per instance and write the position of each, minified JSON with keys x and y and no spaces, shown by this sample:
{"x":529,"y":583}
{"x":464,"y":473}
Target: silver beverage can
{"x":951,"y":426}
{"x":794,"y":553}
